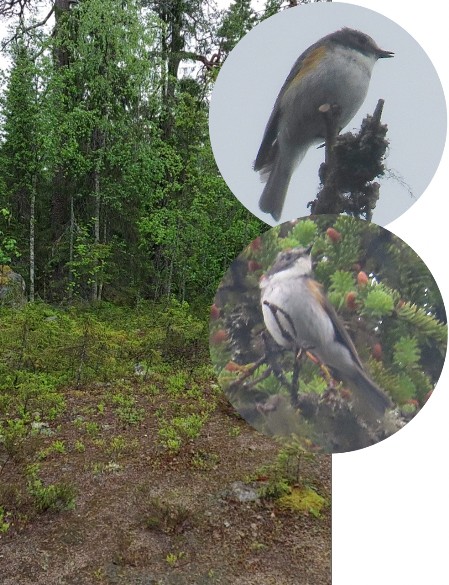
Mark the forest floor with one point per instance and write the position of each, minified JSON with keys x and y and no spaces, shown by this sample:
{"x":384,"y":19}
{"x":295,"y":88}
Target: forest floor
{"x":152,"y":519}
{"x":122,"y":487}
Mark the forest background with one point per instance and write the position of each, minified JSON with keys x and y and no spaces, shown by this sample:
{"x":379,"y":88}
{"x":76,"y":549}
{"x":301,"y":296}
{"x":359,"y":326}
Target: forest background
{"x":109,"y":189}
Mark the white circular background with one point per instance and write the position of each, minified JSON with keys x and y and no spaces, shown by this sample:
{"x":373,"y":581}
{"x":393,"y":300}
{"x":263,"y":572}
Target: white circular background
{"x":388,"y":519}
{"x":255,"y":70}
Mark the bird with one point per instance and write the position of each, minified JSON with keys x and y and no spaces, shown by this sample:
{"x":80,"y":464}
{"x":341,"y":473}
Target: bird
{"x":334,"y":71}
{"x":299,"y":316}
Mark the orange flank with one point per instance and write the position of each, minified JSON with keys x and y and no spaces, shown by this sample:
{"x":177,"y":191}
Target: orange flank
{"x":308,"y":65}
{"x":316,"y":289}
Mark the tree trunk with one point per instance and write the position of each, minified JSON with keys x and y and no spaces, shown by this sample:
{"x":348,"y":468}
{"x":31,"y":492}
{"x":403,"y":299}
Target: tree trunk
{"x":173,"y":44}
{"x":32,"y":235}
{"x":71,"y":245}
{"x":97,"y":195}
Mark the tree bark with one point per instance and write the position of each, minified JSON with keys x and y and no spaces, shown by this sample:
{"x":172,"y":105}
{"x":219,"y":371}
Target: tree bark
{"x":32,"y":236}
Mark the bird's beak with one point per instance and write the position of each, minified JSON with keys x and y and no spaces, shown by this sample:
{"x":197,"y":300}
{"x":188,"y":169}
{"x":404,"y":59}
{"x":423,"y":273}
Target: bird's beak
{"x":381,"y":54}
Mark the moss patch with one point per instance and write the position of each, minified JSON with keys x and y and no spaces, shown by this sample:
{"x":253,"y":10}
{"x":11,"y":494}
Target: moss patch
{"x":303,"y":500}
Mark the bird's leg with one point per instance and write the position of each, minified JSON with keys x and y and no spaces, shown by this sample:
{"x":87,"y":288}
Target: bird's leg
{"x":271,"y":353}
{"x":294,"y":386}
{"x":324,"y":369}
{"x":330,"y":393}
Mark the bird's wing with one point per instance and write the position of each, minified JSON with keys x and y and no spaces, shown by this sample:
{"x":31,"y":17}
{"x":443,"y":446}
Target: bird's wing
{"x":341,"y":334}
{"x":269,"y":147}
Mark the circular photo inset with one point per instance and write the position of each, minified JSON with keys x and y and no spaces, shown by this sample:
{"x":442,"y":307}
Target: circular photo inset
{"x":330,"y":329}
{"x":296,"y":80}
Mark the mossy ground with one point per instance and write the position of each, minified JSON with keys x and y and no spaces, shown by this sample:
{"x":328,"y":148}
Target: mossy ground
{"x":119,"y":476}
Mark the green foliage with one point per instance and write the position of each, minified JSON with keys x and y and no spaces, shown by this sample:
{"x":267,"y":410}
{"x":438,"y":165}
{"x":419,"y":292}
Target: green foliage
{"x":119,"y":445}
{"x":239,"y":19}
{"x":272,"y":7}
{"x":127,"y":410}
{"x":176,"y":383}
{"x":342,"y":283}
{"x":406,"y":352}
{"x":4,"y":524}
{"x":175,"y":431}
{"x":205,"y":461}
{"x":57,"y":446}
{"x":305,"y":500}
{"x":285,"y":471}
{"x":90,"y":261}
{"x":44,"y":351}
{"x":8,"y":245}
{"x":115,"y":150}
{"x":183,"y":424}
{"x":304,"y":232}
{"x":404,"y":389}
{"x":67,"y":375}
{"x":189,"y":426}
{"x":378,"y":302}
{"x":79,"y":446}
{"x":13,"y":433}
{"x":102,"y":468}
{"x":172,"y":558}
{"x":183,"y":333}
{"x":340,"y":256}
{"x":423,"y":321}
{"x":54,"y":497}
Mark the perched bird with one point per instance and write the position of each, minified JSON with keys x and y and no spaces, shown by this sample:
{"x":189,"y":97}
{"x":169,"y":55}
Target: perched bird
{"x":336,"y":70}
{"x":298,"y":315}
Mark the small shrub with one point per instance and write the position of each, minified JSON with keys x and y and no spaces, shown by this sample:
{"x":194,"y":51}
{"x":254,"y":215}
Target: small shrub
{"x":54,"y":497}
{"x":13,"y":433}
{"x":173,"y":558}
{"x":110,"y":467}
{"x":185,"y":335}
{"x":205,"y":461}
{"x":92,"y":428}
{"x":285,"y":471}
{"x":4,"y":524}
{"x":80,"y":446}
{"x":127,"y":410}
{"x":166,"y":516}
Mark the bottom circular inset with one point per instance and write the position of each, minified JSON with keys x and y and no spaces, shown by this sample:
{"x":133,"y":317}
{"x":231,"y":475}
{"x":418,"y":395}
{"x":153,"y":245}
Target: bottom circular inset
{"x":329,"y":329}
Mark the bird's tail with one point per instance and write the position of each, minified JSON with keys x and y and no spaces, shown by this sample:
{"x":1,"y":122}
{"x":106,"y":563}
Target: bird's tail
{"x":273,"y":196}
{"x":279,"y":174}
{"x":370,"y":402}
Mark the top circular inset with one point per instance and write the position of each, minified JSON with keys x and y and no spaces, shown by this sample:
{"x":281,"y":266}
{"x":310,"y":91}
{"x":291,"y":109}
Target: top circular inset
{"x":255,"y":71}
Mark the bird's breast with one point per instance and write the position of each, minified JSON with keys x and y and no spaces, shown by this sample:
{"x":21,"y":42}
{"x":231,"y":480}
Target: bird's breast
{"x":293,"y":314}
{"x":340,"y":77}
